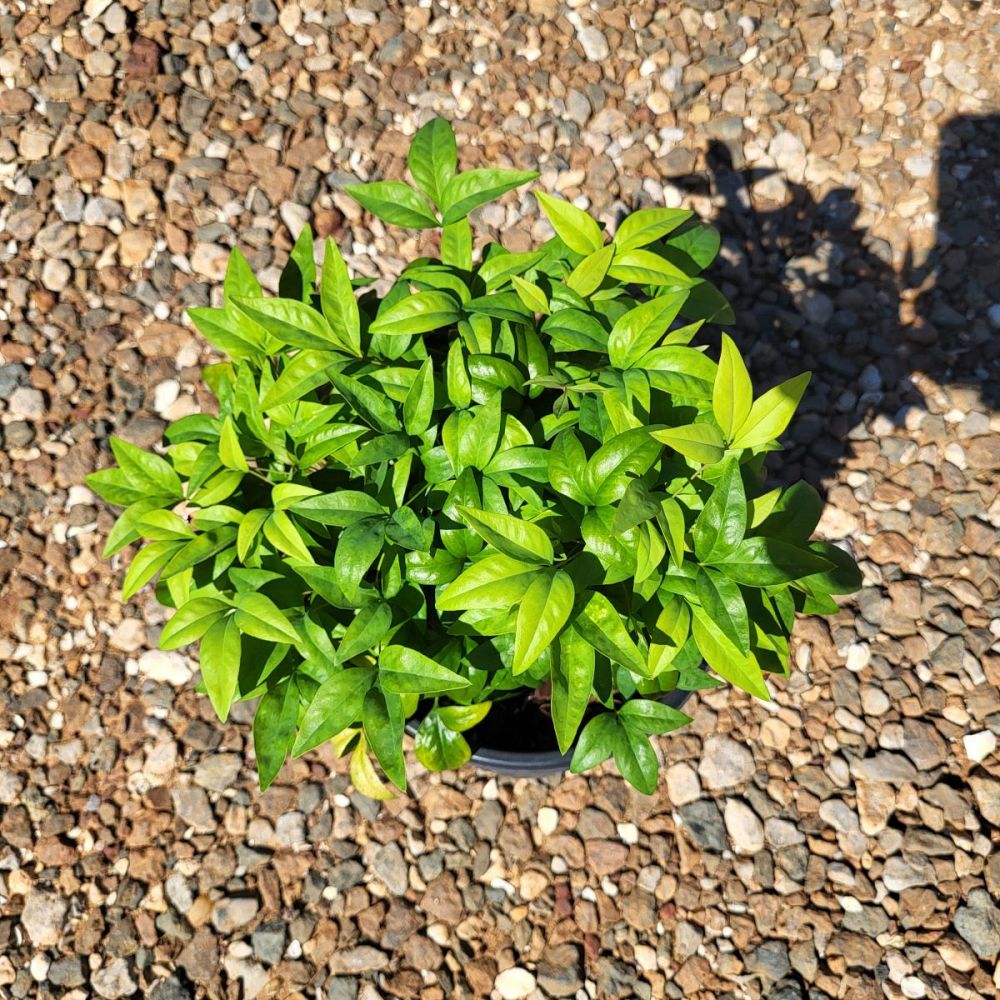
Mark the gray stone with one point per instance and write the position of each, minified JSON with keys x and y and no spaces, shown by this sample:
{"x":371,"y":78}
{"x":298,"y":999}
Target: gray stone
{"x":341,"y":988}
{"x":361,"y":959}
{"x":43,"y":917}
{"x":390,"y":866}
{"x":230,"y":914}
{"x":724,"y":763}
{"x":978,"y":922}
{"x":559,"y":970}
{"x":170,"y":989}
{"x":704,"y":821}
{"x":770,"y":960}
{"x":263,"y":12}
{"x":67,"y":971}
{"x":268,"y":941}
{"x":218,"y":772}
{"x":192,"y":806}
{"x":114,"y":981}
{"x":902,"y":873}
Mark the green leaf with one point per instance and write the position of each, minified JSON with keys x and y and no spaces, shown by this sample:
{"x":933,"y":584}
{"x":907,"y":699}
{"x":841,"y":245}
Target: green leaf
{"x":511,"y":535}
{"x":303,"y":373}
{"x":496,"y":581}
{"x":469,"y":190}
{"x":341,"y":509}
{"x":336,"y":294}
{"x":702,"y":443}
{"x":337,"y":704}
{"x":405,"y":671}
{"x":419,"y":313}
{"x":274,"y":729}
{"x":126,"y":528}
{"x":249,"y":532}
{"x":145,"y":471}
{"x":229,"y":330}
{"x":653,"y":718}
{"x":462,"y":718}
{"x":572,"y":684}
{"x":607,"y":474}
{"x":531,"y":295}
{"x":722,"y":523}
{"x":674,"y":529}
{"x":368,"y":627}
{"x":295,"y":323}
{"x":636,"y":759}
{"x":587,"y":276}
{"x":433,"y":159}
{"x":843,"y":576}
{"x":260,"y":617}
{"x":298,"y":277}
{"x":648,"y":225}
{"x":418,"y":407}
{"x":596,"y":743}
{"x":724,"y":604}
{"x":280,"y":531}
{"x":479,"y":442}
{"x":637,"y":331}
{"x":724,"y":658}
{"x":191,"y":621}
{"x":240,"y":281}
{"x":146,"y":563}
{"x":394,"y":202}
{"x":358,"y":547}
{"x":794,"y":515}
{"x":643,"y":267}
{"x":542,"y":612}
{"x":768,"y":562}
{"x":732,"y":394}
{"x":697,"y":245}
{"x":371,"y":406}
{"x":230,"y":451}
{"x":459,"y":385}
{"x":456,"y":245}
{"x":770,"y":414}
{"x":219,"y":656}
{"x":501,"y":267}
{"x":382,"y":717}
{"x":600,"y":623}
{"x":165,"y":526}
{"x":573,"y":226}
{"x":567,"y":461}
{"x":437,"y":747}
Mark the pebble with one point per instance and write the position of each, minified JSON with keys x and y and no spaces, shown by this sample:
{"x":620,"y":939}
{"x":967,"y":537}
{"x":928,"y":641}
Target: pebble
{"x":515,"y":983}
{"x":724,"y":764}
{"x":114,"y":980}
{"x":979,"y":746}
{"x":595,"y":45}
{"x":42,"y":918}
{"x":744,"y":827}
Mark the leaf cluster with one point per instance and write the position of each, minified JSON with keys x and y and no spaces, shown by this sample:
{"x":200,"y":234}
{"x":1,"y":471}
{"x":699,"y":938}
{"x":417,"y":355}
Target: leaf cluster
{"x":506,"y":473}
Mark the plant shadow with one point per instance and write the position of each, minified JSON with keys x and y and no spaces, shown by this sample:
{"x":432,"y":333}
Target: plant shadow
{"x":812,"y":290}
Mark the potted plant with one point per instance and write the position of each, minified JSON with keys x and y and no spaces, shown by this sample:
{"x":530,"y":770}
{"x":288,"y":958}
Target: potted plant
{"x":508,"y":502}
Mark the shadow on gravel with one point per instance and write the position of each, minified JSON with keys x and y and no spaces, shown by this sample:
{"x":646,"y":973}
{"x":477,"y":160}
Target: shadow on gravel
{"x":814,"y":291}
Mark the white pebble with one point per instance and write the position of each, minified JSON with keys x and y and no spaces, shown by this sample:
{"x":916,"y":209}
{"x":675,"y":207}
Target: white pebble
{"x":979,"y":746}
{"x":629,"y":833}
{"x":515,"y":983}
{"x":548,"y":820}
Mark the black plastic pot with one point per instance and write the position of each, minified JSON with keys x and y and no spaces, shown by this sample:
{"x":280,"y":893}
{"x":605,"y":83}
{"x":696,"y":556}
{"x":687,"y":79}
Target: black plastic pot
{"x":526,"y":763}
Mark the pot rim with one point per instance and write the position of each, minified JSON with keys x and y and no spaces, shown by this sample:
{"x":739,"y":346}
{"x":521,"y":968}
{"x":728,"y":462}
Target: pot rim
{"x":538,"y":763}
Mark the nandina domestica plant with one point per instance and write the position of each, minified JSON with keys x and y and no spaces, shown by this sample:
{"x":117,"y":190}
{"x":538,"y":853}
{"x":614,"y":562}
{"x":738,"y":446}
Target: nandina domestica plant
{"x":507,"y":476}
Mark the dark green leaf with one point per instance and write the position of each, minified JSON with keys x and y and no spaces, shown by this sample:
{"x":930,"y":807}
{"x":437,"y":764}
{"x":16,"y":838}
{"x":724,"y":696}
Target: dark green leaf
{"x":336,"y":705}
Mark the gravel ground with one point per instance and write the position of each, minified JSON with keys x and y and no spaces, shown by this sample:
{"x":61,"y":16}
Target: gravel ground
{"x":840,"y":843}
